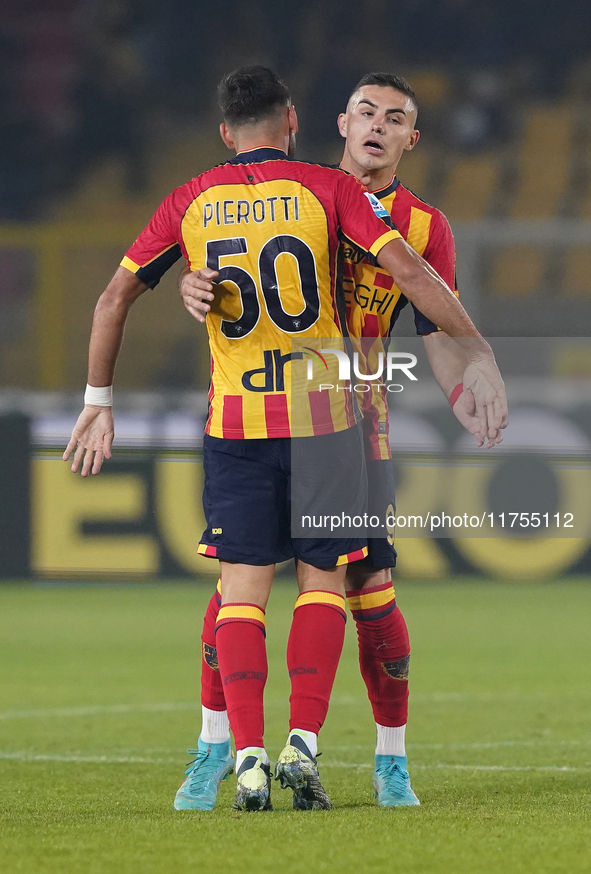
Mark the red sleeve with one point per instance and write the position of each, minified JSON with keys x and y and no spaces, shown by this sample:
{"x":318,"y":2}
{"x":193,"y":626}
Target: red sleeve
{"x":159,"y":245}
{"x":361,"y":216}
{"x":440,"y":252}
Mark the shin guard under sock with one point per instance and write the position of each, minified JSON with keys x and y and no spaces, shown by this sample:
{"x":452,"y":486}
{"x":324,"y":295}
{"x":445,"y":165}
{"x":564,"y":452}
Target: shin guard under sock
{"x":313,"y":652}
{"x":384,"y":652}
{"x":242,"y":659}
{"x":212,"y":691}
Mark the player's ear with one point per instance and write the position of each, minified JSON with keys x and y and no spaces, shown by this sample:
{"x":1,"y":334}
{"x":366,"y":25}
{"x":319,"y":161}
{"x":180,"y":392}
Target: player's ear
{"x":227,"y":136}
{"x":342,"y":124}
{"x":413,"y":139}
{"x":293,"y":118}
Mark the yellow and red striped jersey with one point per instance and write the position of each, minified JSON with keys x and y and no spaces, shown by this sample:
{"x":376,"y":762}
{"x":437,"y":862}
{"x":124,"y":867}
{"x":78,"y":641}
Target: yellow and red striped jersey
{"x":374,"y":302}
{"x":272,"y":227}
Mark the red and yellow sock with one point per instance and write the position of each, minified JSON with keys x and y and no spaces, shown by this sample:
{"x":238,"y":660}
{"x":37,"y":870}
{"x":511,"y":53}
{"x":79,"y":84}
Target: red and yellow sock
{"x":313,"y":652}
{"x":242,"y":659}
{"x":384,"y":652}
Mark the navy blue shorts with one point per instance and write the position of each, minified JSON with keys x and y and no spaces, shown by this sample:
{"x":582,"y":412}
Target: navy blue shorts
{"x":382,"y":503}
{"x":247,"y":498}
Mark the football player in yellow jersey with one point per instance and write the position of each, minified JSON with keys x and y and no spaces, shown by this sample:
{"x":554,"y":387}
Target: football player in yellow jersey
{"x":248,"y":474}
{"x":379,"y":125}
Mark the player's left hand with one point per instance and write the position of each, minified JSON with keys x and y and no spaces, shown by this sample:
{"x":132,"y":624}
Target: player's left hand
{"x":482,"y":406}
{"x":196,"y":289}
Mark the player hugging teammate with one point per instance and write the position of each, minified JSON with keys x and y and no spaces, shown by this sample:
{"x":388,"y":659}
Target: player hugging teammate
{"x":234,"y":224}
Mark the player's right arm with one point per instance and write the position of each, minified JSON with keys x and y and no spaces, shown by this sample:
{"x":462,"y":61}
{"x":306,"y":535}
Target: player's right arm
{"x":433,"y":297}
{"x":156,"y":249}
{"x":425,"y":288}
{"x":428,"y":292}
{"x":92,"y":436}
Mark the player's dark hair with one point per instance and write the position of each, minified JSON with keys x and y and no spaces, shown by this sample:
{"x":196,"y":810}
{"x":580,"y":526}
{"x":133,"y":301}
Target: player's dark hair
{"x":388,"y":80}
{"x":251,"y":94}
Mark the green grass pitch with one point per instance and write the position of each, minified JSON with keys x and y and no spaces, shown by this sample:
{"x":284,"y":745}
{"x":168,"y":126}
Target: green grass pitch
{"x":98,"y":692}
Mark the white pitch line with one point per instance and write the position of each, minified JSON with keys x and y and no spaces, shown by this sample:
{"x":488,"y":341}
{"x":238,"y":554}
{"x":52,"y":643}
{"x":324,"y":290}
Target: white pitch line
{"x":445,"y":767}
{"x":93,"y":760}
{"x":552,"y":768}
{"x":170,"y":707}
{"x":460,"y":697}
{"x":484,"y":745}
{"x":133,"y":760}
{"x":465,"y":697}
{"x":97,"y":710}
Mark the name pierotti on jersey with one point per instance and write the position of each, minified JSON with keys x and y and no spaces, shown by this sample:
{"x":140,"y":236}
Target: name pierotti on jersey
{"x":271,"y":228}
{"x":236,"y":212}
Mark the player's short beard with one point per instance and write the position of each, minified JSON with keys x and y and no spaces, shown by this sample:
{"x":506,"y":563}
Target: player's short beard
{"x":292,"y":144}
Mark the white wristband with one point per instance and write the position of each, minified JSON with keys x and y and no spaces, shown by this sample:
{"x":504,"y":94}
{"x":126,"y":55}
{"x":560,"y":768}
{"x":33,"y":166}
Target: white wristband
{"x":99,"y":396}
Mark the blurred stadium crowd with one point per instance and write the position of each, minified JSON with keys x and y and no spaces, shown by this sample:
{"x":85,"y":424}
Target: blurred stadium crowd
{"x":81,"y":79}
{"x":106,"y":105}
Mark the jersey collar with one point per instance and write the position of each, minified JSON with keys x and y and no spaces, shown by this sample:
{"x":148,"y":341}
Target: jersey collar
{"x":263,"y":153}
{"x":384,"y":192}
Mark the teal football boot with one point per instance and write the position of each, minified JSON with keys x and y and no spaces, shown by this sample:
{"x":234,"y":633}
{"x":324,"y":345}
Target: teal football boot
{"x":391,"y":782}
{"x":211,"y":765}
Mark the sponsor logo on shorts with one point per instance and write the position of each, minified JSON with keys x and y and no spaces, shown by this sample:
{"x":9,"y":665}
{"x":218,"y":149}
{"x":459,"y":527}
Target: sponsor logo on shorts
{"x":390,"y":524}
